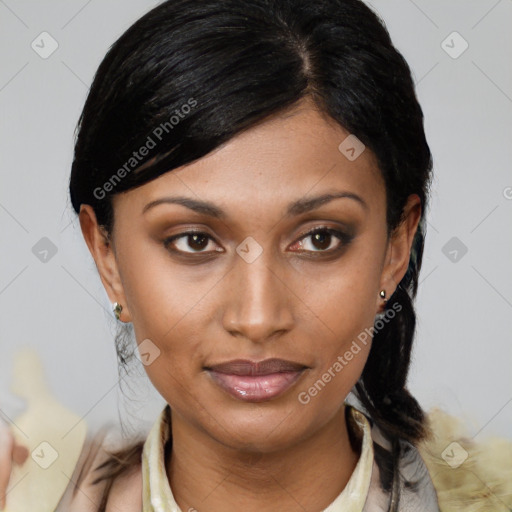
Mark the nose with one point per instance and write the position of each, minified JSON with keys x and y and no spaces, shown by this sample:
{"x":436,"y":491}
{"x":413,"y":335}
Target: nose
{"x":260,"y":302}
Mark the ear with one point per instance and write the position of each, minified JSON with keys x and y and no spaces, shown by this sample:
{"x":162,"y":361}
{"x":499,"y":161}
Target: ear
{"x":102,"y":250}
{"x":399,"y":248}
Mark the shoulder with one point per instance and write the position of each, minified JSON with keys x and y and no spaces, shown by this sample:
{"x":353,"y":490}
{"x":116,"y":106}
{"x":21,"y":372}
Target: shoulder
{"x":107,"y":477}
{"x":400,"y":479}
{"x":416,"y":486}
{"x":126,"y":492}
{"x":465,"y":469}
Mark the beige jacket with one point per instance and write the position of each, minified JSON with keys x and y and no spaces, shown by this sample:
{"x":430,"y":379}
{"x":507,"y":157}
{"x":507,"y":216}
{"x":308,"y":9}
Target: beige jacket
{"x":147,"y":489}
{"x":464,"y":473}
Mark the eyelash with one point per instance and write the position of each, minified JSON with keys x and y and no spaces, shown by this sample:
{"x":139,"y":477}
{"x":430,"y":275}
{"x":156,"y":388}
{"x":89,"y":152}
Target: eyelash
{"x":344,"y":239}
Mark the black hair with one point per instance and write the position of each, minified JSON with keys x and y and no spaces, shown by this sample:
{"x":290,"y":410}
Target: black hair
{"x":189,"y":75}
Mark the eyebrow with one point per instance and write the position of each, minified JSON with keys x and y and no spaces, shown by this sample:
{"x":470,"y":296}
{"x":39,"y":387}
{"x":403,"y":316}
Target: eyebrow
{"x":298,"y":207}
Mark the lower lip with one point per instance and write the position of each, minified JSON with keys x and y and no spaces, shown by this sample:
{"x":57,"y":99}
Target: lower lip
{"x":257,"y":388}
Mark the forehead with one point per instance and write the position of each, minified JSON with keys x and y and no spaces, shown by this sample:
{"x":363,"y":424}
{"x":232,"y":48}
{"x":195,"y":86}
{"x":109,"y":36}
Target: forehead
{"x":288,"y":156}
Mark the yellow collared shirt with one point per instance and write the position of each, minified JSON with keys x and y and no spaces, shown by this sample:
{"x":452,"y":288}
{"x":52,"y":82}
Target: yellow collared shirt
{"x":157,"y":494}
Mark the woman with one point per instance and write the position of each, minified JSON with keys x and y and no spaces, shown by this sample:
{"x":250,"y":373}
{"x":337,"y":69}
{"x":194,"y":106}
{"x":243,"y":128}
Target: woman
{"x":251,"y":178}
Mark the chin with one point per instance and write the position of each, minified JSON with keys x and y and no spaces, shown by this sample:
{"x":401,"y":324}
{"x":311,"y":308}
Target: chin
{"x":261,"y":430}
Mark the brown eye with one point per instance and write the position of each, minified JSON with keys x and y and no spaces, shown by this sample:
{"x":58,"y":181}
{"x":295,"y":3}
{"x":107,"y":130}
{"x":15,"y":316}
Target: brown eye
{"x":189,"y":242}
{"x":198,"y":242}
{"x":322,"y":240}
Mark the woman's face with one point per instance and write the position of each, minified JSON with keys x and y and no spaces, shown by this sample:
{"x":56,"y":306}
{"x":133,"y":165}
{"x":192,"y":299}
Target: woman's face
{"x":256,"y":283}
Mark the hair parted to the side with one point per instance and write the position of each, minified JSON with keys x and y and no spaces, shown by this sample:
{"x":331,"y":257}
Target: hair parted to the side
{"x":188,"y":76}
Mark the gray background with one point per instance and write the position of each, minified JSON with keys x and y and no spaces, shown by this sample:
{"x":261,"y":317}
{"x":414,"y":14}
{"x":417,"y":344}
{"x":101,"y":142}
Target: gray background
{"x":462,"y":361}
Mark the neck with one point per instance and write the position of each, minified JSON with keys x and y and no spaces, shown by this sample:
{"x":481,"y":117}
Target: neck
{"x":206,"y":475}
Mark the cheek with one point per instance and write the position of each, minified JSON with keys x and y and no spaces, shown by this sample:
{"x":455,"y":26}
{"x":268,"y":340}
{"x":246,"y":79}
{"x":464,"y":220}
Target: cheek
{"x":158,"y":293}
{"x":343,"y":302}
{"x":340,"y":354}
{"x":165,"y":314}
{"x":344,"y":296}
{"x":180,"y":353}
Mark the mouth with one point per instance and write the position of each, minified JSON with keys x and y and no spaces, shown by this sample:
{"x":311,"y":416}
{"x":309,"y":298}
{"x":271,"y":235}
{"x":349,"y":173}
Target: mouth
{"x":256,"y":381}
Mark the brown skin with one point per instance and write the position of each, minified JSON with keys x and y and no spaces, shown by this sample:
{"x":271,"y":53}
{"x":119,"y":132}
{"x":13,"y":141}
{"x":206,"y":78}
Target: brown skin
{"x":229,"y":455}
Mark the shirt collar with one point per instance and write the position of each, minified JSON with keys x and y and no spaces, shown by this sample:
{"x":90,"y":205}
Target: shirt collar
{"x":157,"y":495}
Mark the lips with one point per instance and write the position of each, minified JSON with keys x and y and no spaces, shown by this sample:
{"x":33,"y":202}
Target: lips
{"x":250,"y":368}
{"x":256,"y":381}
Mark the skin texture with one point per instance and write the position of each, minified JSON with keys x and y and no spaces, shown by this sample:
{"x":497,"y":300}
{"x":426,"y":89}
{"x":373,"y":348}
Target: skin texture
{"x":300,"y":300}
